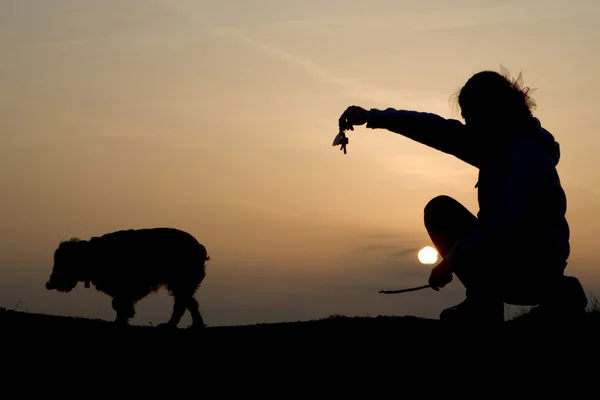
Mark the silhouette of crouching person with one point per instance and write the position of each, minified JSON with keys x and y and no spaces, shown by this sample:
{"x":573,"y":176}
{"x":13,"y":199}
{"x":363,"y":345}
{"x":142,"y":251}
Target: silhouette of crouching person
{"x":516,"y":269}
{"x":516,"y":249}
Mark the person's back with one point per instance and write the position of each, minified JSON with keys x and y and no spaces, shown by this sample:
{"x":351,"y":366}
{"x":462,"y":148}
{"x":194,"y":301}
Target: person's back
{"x":519,"y":189}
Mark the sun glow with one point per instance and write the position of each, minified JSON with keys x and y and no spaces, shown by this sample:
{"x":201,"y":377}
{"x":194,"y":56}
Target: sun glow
{"x":428,"y":255}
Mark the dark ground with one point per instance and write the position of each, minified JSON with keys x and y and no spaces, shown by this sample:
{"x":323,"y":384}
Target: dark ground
{"x":374,"y":350}
{"x":22,"y":324}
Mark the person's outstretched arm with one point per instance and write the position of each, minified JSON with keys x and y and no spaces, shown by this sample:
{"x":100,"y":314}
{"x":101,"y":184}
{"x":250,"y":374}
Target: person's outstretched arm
{"x":447,"y":135}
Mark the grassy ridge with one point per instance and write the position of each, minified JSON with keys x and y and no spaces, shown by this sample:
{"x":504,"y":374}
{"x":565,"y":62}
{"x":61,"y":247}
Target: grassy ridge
{"x":23,"y":323}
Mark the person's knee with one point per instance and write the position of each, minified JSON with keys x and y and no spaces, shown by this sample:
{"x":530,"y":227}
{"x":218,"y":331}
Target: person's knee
{"x":438,"y":203}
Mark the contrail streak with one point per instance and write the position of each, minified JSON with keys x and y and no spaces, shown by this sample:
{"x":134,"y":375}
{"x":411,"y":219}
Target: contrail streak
{"x":347,"y":86}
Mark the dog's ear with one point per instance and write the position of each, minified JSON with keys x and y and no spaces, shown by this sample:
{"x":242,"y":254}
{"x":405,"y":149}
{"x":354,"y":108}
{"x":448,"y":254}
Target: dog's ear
{"x":87,"y":283}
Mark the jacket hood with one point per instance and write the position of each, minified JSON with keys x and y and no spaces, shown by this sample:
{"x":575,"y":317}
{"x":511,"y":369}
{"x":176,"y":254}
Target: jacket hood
{"x":548,"y":139}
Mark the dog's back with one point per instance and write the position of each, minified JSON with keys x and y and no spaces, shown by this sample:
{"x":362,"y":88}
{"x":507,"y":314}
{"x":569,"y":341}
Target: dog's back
{"x":141,"y":260}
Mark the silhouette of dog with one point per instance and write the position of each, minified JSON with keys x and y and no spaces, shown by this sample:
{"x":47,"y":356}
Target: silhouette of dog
{"x":128,"y":265}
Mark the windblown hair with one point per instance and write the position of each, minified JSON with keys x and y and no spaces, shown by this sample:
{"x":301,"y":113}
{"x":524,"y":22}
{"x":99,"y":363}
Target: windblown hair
{"x":491,"y":93}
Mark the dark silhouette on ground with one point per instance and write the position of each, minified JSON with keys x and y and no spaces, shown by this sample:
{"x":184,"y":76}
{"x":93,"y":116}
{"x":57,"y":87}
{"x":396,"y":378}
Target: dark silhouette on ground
{"x":555,"y":295}
{"x":516,"y":249}
{"x":403,"y":329}
{"x":130,"y":264}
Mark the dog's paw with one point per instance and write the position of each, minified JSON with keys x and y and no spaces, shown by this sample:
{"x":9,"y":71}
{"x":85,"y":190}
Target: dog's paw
{"x":121,"y":323}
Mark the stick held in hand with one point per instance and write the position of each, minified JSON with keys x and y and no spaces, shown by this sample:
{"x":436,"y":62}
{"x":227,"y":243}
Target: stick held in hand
{"x":404,"y":290}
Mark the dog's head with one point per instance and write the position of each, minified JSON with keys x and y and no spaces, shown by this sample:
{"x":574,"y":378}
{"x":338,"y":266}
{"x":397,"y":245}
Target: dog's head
{"x":69,"y":259}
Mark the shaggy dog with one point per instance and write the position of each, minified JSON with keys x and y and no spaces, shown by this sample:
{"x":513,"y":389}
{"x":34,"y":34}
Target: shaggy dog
{"x":130,"y":264}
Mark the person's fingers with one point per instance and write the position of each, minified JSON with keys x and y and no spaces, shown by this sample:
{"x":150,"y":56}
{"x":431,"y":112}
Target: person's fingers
{"x":432,"y":283}
{"x":342,"y":123}
{"x":345,"y":124}
{"x":343,"y":119}
{"x":348,"y":118}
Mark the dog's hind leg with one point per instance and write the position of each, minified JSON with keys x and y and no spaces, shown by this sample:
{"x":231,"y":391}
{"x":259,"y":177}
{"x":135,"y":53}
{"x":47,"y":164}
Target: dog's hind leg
{"x":178,"y":311}
{"x":194,"y":309}
{"x":125,"y":310}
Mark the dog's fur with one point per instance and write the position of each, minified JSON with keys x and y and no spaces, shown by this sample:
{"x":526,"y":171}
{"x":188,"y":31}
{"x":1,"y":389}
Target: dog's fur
{"x":128,"y":265}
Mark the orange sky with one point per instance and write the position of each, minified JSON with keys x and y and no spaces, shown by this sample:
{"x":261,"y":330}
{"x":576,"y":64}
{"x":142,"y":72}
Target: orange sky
{"x":217,"y":117}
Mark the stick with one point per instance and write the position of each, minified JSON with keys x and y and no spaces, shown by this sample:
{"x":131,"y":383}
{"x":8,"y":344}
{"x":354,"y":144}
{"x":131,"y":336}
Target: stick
{"x":404,"y":290}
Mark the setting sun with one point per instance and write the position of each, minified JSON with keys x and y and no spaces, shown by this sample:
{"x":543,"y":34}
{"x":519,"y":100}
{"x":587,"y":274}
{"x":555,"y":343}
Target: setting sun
{"x":428,"y":255}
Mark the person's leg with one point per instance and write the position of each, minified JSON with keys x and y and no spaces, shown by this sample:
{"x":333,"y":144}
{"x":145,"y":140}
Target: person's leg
{"x":447,"y":221}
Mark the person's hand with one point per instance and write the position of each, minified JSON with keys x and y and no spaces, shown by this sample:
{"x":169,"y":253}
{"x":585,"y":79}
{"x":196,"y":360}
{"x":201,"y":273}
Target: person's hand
{"x":354,"y":115}
{"x":440,"y":276}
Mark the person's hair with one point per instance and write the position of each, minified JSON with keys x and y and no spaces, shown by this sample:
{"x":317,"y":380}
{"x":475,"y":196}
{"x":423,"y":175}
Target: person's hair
{"x":492,"y":93}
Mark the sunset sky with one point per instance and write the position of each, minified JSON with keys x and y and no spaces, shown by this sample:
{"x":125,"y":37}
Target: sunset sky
{"x":217,"y":117}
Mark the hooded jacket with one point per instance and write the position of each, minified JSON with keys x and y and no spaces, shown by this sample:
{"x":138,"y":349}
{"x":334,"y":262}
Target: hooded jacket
{"x":522,"y":204}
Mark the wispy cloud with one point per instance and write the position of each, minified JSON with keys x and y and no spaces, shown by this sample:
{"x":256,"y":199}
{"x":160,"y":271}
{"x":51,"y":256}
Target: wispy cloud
{"x":394,"y":251}
{"x":421,"y":168}
{"x":348,"y":86}
{"x":390,"y":20}
{"x":372,"y":248}
{"x":72,"y":42}
{"x":345,"y":85}
{"x":446,"y":16}
{"x":262,"y":209}
{"x":386,"y":236}
{"x":405,"y":252}
{"x":120,"y":39}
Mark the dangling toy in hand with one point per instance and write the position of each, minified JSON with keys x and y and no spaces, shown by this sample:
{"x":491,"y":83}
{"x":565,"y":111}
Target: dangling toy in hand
{"x":341,"y":139}
{"x":353,"y":115}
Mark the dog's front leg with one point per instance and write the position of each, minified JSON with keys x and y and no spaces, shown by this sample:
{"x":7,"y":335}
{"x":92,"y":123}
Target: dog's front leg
{"x":125,"y":310}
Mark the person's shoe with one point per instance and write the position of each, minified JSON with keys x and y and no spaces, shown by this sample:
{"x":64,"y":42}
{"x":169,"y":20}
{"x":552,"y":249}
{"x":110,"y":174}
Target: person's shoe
{"x":471,"y":310}
{"x":574,"y":295}
{"x":568,"y":302}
